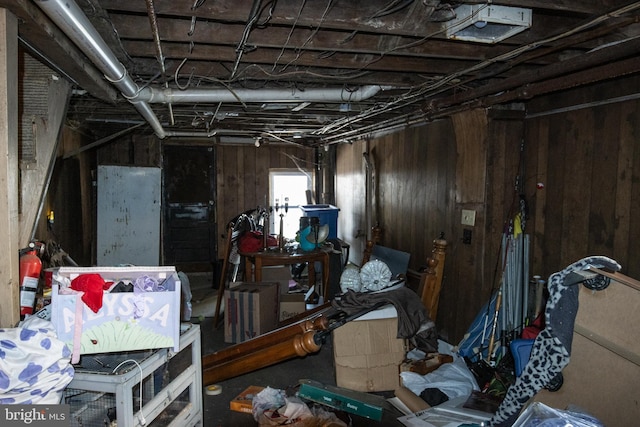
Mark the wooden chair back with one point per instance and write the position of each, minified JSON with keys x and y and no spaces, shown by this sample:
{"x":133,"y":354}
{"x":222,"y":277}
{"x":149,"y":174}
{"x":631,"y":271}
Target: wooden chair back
{"x":431,"y":282}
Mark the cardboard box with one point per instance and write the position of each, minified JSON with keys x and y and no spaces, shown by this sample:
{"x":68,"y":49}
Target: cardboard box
{"x":291,"y":305}
{"x":603,"y":375}
{"x":277,"y":273}
{"x":251,"y":309}
{"x":244,"y":401}
{"x":367,"y":355}
{"x":126,"y":321}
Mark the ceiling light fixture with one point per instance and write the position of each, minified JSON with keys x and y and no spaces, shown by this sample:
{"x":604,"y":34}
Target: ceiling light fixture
{"x":487,"y":23}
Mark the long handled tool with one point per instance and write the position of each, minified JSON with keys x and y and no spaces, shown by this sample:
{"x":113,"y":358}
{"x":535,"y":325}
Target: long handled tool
{"x":223,"y":274}
{"x":492,"y":337}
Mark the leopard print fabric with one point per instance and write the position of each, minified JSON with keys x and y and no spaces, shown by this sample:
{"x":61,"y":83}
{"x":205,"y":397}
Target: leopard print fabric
{"x":552,"y":347}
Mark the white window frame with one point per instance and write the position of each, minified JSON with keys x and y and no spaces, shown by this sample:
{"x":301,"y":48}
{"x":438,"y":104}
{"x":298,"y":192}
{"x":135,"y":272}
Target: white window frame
{"x":291,"y":219}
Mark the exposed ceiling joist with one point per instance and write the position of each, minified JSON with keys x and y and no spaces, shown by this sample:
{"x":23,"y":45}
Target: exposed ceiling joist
{"x":236,"y":46}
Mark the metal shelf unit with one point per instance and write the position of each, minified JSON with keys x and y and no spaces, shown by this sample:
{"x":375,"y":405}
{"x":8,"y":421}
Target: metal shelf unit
{"x":99,"y":396}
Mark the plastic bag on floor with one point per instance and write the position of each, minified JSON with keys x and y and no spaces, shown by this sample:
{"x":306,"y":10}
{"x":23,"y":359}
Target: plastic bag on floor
{"x":271,"y":407}
{"x":453,"y":379}
{"x":538,"y":414}
{"x":35,"y":366}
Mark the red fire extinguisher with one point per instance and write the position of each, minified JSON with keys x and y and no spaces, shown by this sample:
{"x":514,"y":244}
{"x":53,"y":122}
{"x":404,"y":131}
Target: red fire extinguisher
{"x":30,"y":267}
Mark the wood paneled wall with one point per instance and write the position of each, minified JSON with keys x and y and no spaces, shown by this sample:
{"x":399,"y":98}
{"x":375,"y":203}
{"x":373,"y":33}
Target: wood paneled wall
{"x":243,"y":177}
{"x":425,"y":176}
{"x":581,"y":145}
{"x":70,"y":196}
{"x":412,"y":173}
{"x":414,"y":196}
{"x":584,"y":146}
{"x":131,"y":150}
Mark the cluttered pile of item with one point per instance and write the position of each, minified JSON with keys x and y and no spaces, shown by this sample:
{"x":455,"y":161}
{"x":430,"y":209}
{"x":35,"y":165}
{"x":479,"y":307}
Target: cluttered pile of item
{"x":389,"y":361}
{"x":483,"y":387}
{"x":480,"y":381}
{"x":107,"y":346}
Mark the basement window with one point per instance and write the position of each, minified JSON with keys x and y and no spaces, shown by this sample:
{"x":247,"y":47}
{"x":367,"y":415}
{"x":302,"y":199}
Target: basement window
{"x":288,"y":187}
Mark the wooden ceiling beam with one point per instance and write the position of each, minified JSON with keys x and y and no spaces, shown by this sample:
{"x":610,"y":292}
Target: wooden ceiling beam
{"x":289,"y":58}
{"x":203,"y":70}
{"x":344,"y":15}
{"x":177,"y":30}
{"x":566,"y":69}
{"x":45,"y":42}
{"x":586,"y":7}
{"x":346,"y":11}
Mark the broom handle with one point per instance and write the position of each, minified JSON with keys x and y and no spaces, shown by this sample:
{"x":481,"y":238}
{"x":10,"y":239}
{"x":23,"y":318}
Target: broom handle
{"x":492,"y":338}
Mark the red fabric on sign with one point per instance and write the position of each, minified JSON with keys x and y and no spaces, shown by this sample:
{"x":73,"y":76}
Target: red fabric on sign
{"x":93,"y":286}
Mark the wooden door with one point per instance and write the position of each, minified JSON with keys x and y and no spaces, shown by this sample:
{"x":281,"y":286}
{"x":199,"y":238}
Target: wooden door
{"x":189,"y":207}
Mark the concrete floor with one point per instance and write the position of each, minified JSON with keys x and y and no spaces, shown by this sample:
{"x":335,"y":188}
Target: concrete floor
{"x":284,"y":375}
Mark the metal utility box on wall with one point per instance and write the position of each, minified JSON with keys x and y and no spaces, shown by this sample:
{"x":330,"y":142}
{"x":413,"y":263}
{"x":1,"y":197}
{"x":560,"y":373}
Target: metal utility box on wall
{"x":128,"y":215}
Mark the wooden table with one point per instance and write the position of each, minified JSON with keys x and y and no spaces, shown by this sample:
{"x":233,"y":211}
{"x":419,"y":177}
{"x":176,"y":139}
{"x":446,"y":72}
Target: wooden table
{"x":275,"y":257}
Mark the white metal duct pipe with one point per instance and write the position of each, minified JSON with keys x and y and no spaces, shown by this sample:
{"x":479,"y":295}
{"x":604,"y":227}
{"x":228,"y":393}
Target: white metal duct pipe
{"x":192,"y":134}
{"x":67,"y":15}
{"x":197,"y":95}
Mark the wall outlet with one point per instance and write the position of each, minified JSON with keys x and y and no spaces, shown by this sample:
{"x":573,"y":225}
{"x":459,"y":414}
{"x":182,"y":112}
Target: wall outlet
{"x":466,"y":236}
{"x":468,"y":217}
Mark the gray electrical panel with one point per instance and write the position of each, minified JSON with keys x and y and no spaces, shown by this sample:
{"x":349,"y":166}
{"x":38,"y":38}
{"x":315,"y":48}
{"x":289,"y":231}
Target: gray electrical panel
{"x":128,"y":215}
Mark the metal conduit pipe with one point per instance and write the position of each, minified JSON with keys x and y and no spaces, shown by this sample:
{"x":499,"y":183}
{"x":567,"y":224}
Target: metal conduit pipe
{"x":166,"y":95}
{"x":193,"y":134}
{"x":153,"y":21}
{"x":68,"y":16}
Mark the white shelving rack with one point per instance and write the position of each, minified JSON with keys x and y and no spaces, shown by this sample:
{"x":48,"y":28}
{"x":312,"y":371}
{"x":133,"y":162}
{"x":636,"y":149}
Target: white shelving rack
{"x":107,"y":388}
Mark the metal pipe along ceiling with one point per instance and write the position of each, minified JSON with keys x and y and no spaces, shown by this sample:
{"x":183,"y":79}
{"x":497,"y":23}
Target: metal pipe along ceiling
{"x":161,"y":95}
{"x":74,"y":23}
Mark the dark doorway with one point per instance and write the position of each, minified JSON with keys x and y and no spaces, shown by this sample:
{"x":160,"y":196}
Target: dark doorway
{"x":189,"y":207}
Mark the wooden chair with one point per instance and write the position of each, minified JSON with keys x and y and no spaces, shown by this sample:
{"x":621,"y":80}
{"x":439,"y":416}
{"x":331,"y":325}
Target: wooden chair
{"x":224,"y":273}
{"x":235,"y":228}
{"x":376,"y":233}
{"x":431,"y":282}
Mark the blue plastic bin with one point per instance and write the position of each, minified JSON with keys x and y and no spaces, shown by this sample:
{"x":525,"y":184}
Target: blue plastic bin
{"x":521,"y":350}
{"x":328,"y":214}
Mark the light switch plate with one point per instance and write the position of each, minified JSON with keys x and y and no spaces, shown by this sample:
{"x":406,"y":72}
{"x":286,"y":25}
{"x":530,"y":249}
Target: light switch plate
{"x":468,"y":217}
